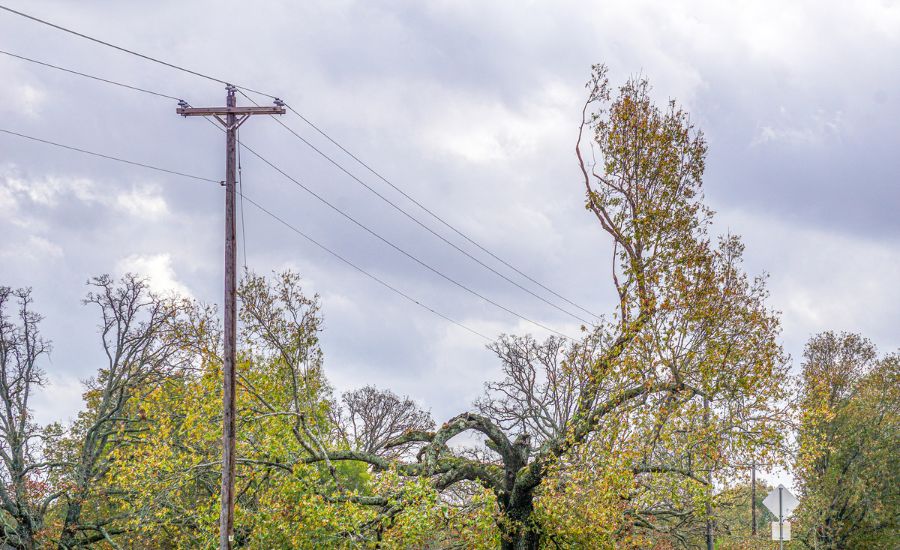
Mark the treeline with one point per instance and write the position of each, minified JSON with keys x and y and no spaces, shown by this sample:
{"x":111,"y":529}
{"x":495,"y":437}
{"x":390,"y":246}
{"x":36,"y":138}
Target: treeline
{"x":638,"y":434}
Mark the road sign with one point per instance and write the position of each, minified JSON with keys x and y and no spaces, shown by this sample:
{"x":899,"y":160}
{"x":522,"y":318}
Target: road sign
{"x":783,"y":532}
{"x":788,"y":502}
{"x":782,"y":503}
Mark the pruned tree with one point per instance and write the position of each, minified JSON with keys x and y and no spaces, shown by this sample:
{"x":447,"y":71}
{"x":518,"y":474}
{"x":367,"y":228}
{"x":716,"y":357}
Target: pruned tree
{"x":281,"y":328}
{"x":171,"y":471}
{"x":655,"y":385}
{"x":24,"y":494}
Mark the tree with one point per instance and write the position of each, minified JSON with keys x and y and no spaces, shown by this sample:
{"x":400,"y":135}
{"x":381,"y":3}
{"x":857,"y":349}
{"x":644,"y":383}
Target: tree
{"x":733,"y":517}
{"x":370,"y":418}
{"x":167,"y":476}
{"x":139,"y":333}
{"x":24,"y":493}
{"x":689,"y":329}
{"x":849,"y":443}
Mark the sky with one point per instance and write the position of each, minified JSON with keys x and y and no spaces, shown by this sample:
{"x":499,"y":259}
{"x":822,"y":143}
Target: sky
{"x":472,"y":108}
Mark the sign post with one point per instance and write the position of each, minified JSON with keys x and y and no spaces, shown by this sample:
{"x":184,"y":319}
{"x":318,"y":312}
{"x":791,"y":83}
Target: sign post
{"x":782,"y":504}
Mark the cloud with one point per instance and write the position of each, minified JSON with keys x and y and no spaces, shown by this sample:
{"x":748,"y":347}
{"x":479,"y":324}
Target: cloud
{"x":472,"y":108}
{"x":823,"y":280}
{"x":20,"y":95}
{"x":33,"y":249}
{"x":142,"y":202}
{"x":59,"y":399}
{"x":157,"y":268}
{"x":818,"y":128}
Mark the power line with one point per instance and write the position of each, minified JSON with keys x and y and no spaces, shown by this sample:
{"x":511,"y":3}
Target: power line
{"x":361,"y":270}
{"x":402,"y":251}
{"x":267,"y":212}
{"x":92,"y":77}
{"x":108,"y":157}
{"x":419,"y":222}
{"x":372,"y":232}
{"x":126,"y":50}
{"x":427,"y":210}
{"x":378,"y":236}
{"x":240,"y":179}
{"x":346,"y":151}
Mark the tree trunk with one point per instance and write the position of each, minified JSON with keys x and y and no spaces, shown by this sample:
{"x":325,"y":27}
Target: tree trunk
{"x":522,"y":540}
{"x":520,"y":532}
{"x":25,"y":530}
{"x":67,"y":538}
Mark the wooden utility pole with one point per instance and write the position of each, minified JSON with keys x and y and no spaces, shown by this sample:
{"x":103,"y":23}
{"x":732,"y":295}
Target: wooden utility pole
{"x":234,"y":117}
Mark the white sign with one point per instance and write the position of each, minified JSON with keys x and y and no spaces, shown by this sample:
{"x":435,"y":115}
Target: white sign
{"x":785,"y":530}
{"x":788,"y":502}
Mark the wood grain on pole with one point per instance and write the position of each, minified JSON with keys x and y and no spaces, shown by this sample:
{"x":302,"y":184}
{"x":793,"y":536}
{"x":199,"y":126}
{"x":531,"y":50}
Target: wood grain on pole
{"x":226,"y":516}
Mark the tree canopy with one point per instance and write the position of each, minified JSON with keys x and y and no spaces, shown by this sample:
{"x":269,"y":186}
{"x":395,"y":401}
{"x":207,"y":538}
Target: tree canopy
{"x":639,"y":433}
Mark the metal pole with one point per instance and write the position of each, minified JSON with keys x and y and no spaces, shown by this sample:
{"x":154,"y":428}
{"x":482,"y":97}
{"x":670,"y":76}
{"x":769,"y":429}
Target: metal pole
{"x":780,"y":522}
{"x":753,"y":498}
{"x":226,"y":515}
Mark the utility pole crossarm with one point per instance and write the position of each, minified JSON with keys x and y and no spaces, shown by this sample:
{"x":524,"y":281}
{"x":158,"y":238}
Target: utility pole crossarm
{"x":213,"y":111}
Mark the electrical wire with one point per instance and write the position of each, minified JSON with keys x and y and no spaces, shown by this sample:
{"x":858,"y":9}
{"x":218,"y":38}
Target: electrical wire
{"x":131,"y":52}
{"x":108,"y":157}
{"x":361,"y":270}
{"x":268,"y":213}
{"x":419,"y":222}
{"x":378,"y":236}
{"x":92,"y":77}
{"x":429,"y":211}
{"x":240,"y":181}
{"x":402,"y":251}
{"x":337,"y":144}
{"x":409,"y":255}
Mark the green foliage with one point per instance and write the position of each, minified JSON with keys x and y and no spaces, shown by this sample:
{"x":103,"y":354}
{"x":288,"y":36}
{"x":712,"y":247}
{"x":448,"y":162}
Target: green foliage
{"x":614,"y":441}
{"x":848,"y":463}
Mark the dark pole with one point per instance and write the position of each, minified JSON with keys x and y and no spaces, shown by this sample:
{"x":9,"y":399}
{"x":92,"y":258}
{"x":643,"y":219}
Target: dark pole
{"x":226,"y":515}
{"x":234,"y":116}
{"x":753,"y":497}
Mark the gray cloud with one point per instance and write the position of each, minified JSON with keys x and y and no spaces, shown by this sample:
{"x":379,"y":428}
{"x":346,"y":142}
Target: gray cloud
{"x":473,"y":109}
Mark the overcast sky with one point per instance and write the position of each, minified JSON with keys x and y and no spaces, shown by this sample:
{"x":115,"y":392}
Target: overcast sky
{"x":470,"y":107}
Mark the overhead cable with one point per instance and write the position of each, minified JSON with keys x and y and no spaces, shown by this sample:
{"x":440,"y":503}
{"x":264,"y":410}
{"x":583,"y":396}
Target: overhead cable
{"x":92,"y":77}
{"x":267,"y":212}
{"x":409,"y":255}
{"x":419,"y":222}
{"x":342,"y":148}
{"x":108,"y":157}
{"x":131,"y":52}
{"x":430,"y":212}
{"x":361,"y":270}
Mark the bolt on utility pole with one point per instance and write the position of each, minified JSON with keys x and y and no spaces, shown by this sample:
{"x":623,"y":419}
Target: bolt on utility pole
{"x":234,"y":117}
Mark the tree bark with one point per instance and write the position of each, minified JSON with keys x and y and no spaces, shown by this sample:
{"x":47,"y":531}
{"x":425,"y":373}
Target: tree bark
{"x":520,"y":532}
{"x":67,"y":538}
